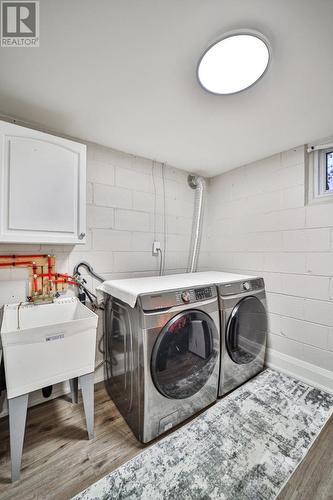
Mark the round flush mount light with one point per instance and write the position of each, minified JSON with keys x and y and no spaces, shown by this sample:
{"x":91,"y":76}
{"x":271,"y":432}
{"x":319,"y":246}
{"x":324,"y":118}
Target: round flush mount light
{"x":235,"y":62}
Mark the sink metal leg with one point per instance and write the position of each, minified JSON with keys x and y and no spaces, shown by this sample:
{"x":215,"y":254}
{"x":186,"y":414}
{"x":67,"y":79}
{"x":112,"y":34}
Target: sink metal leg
{"x":74,"y":390}
{"x":17,"y":408}
{"x":87,"y":387}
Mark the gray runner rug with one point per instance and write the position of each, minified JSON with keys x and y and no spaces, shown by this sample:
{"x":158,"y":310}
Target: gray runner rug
{"x":246,"y":446}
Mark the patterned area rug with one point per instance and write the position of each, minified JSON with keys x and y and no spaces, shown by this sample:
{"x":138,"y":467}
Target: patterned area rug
{"x":244,"y":447}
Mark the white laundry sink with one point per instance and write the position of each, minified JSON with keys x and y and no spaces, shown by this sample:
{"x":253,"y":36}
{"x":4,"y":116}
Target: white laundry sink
{"x":46,"y":344}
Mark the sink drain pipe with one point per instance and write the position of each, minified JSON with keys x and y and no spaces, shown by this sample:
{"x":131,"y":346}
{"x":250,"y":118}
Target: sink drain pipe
{"x":199,"y":184}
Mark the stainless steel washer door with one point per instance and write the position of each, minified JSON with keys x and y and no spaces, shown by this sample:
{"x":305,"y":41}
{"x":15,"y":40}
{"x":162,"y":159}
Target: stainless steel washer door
{"x":246,"y":330}
{"x":184,"y":354}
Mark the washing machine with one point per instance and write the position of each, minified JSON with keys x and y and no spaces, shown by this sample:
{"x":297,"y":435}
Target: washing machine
{"x":244,"y":325}
{"x":162,"y":356}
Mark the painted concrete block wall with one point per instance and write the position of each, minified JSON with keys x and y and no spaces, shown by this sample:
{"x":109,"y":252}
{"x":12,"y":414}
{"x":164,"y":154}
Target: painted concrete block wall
{"x":126,"y":211}
{"x":258,"y":223}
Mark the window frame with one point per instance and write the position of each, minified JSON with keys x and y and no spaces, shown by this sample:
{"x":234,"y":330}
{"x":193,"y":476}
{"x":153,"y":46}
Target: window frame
{"x":323,"y":168}
{"x":317,"y":192}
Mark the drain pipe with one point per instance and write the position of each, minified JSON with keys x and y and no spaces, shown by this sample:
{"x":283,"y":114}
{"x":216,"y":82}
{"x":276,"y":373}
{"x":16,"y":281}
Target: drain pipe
{"x":199,"y":184}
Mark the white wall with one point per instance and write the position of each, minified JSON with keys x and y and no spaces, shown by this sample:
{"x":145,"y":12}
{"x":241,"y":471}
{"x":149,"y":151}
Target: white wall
{"x":255,"y":222}
{"x":258,"y":223}
{"x":121,"y":222}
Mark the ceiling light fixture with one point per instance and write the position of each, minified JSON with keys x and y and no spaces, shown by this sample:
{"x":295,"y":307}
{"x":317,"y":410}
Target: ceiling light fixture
{"x":235,"y":62}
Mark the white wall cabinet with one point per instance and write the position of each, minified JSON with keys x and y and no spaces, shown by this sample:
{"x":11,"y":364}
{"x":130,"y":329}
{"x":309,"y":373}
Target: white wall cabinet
{"x":42,"y":187}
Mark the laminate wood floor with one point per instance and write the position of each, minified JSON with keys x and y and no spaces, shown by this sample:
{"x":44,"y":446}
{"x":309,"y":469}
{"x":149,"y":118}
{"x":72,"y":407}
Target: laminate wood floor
{"x":313,"y":479}
{"x":59,"y":461}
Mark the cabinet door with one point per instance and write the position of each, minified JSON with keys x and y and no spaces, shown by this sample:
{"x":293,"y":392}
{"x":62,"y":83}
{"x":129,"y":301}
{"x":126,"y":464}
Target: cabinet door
{"x":43,"y":187}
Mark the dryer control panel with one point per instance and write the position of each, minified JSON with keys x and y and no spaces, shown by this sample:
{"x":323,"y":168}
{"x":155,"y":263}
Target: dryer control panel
{"x":165,"y":300}
{"x":244,"y":286}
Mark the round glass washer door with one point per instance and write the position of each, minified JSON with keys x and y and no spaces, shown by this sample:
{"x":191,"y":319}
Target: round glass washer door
{"x":246,"y":330}
{"x":184,"y":354}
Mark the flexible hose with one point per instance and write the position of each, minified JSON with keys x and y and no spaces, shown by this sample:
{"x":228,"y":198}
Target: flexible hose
{"x":89,"y":269}
{"x":81,"y":282}
{"x":199,"y":184}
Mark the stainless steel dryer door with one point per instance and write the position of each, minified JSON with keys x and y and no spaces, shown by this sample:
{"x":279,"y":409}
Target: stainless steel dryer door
{"x":246,"y":330}
{"x":184,"y":355}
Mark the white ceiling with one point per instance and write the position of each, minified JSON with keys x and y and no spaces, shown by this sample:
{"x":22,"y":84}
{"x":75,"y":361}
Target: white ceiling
{"x":123,"y":73}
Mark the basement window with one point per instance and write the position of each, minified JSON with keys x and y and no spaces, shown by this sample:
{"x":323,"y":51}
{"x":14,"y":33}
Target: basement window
{"x":321,"y":175}
{"x":328,"y":164}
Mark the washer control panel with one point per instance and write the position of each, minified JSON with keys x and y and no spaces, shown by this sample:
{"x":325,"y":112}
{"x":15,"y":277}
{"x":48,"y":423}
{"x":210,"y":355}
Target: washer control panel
{"x":186,"y":296}
{"x":195,"y":295}
{"x":165,"y":300}
{"x":203,"y":293}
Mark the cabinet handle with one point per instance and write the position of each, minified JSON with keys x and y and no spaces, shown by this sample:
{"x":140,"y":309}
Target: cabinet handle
{"x":81,"y":236}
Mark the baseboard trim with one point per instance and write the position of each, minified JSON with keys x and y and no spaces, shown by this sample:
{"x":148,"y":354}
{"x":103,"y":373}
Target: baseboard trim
{"x":307,"y":372}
